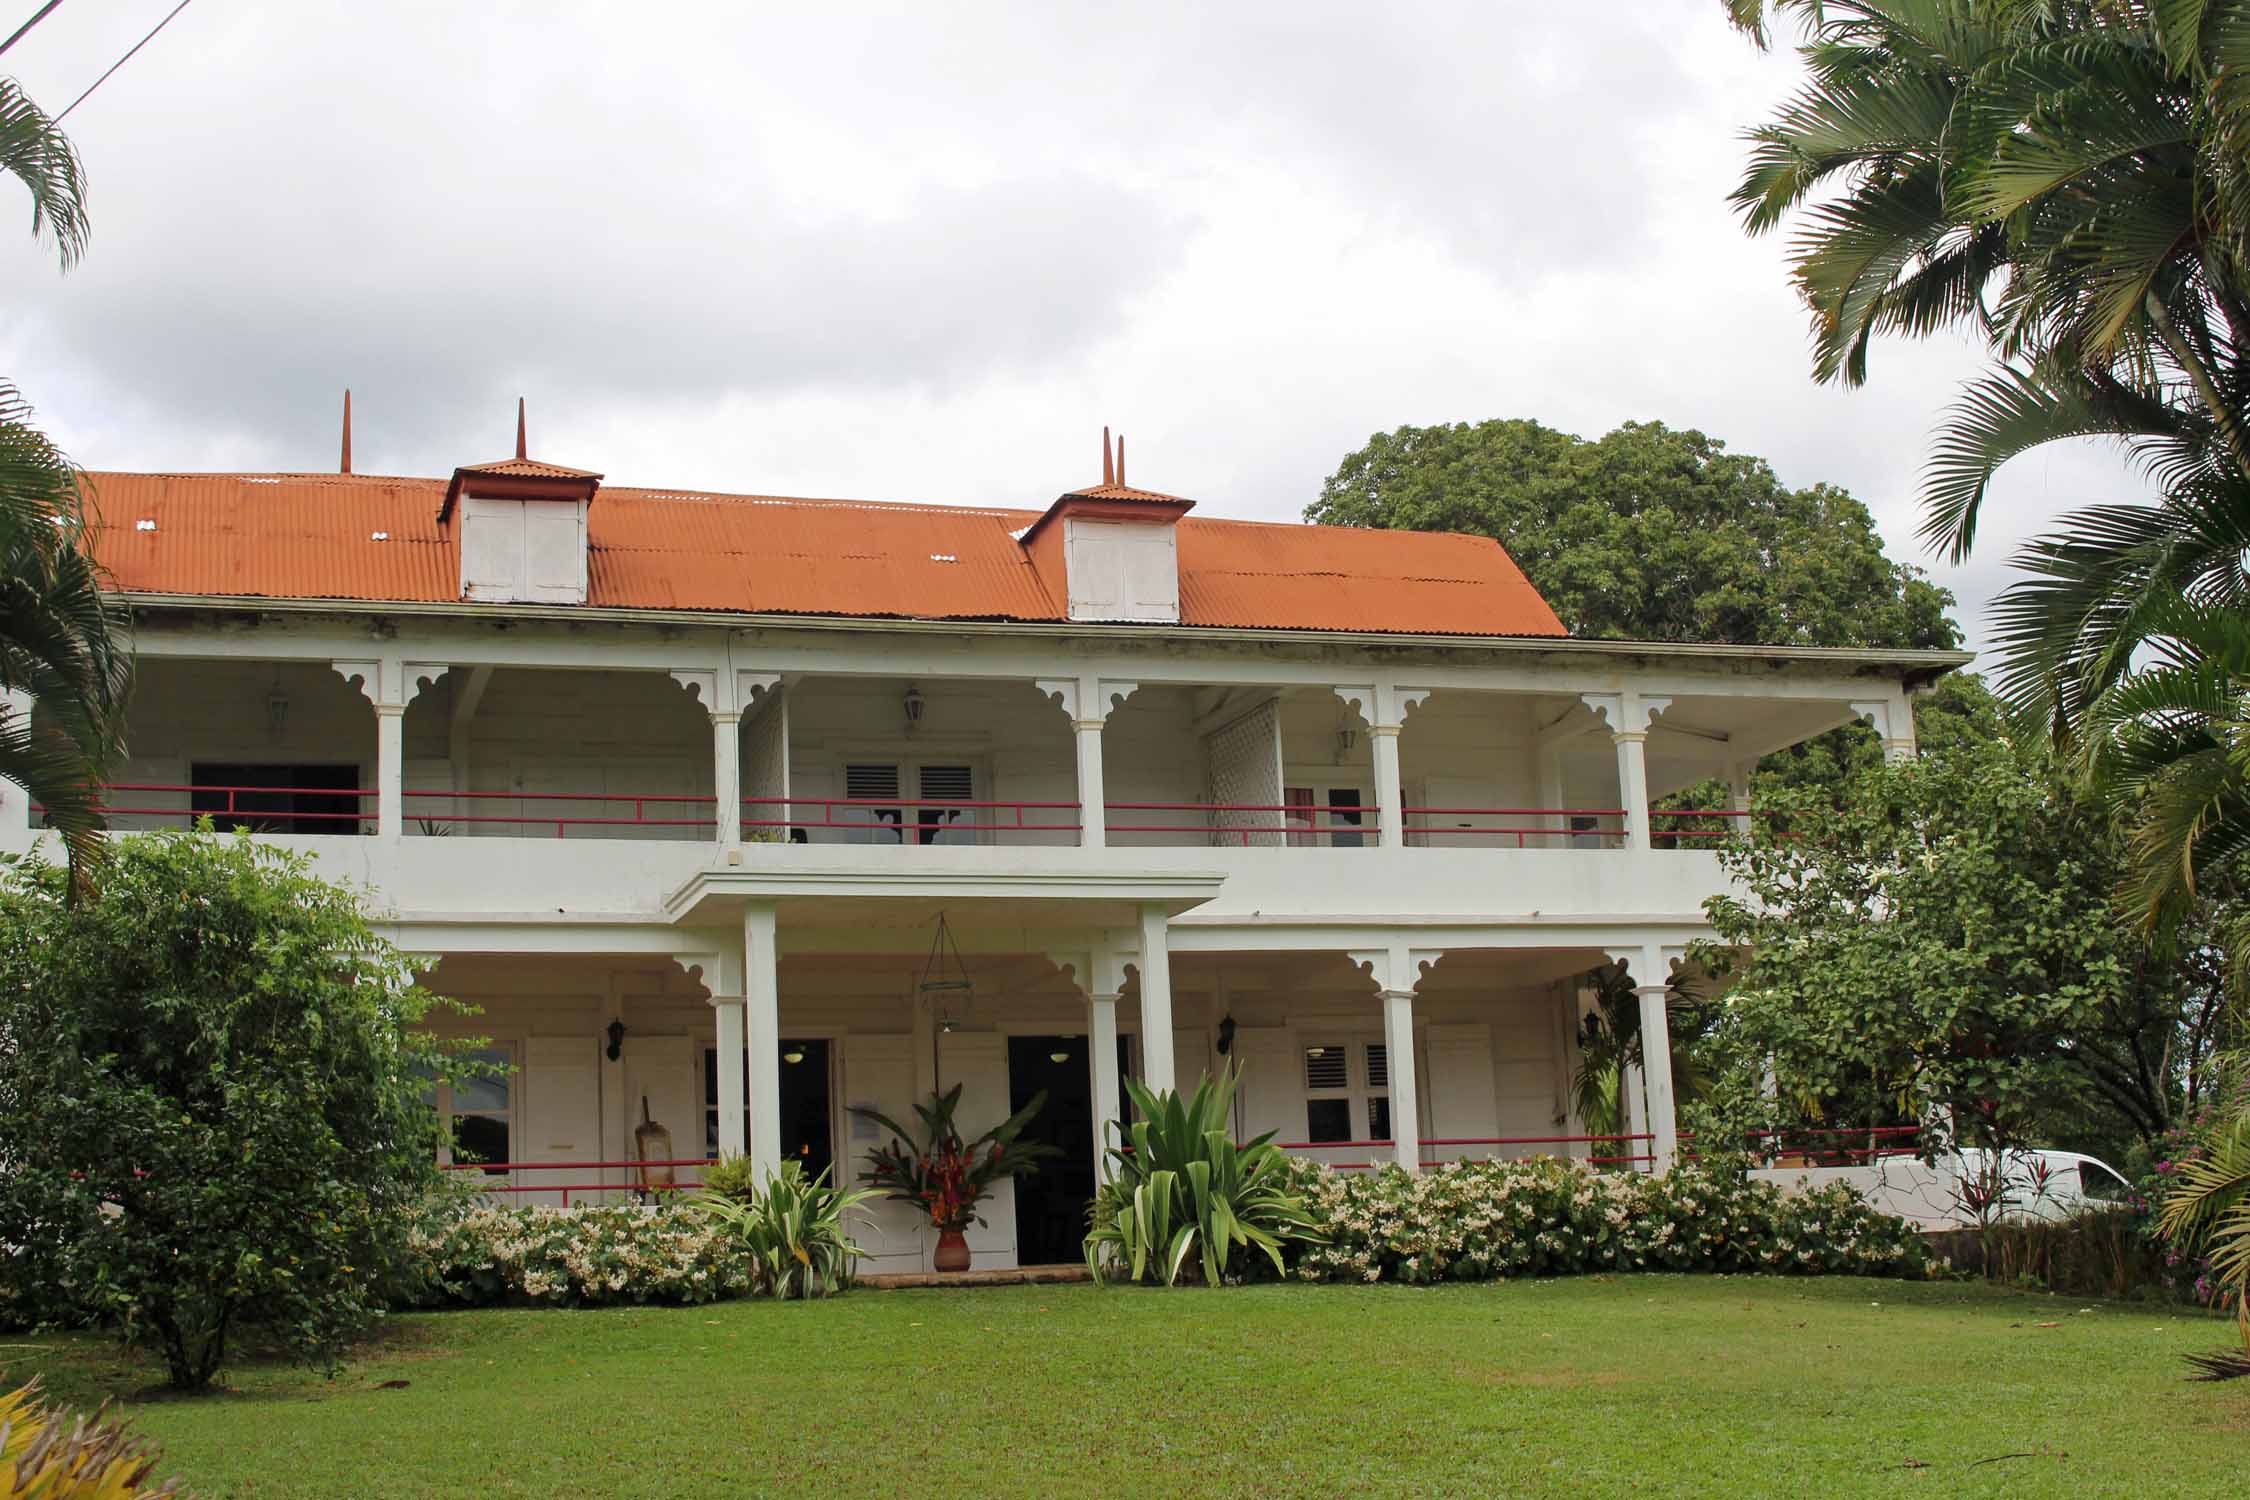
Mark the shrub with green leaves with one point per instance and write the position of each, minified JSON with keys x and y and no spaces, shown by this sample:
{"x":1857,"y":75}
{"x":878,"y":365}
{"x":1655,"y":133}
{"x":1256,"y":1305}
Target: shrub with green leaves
{"x":793,"y":1227}
{"x":1183,"y":1198}
{"x":587,"y":1255}
{"x":211,"y":1101}
{"x":1488,"y":1220}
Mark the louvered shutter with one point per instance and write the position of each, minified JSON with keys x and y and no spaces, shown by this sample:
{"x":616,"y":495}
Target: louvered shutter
{"x":941,"y":785}
{"x":871,"y":784}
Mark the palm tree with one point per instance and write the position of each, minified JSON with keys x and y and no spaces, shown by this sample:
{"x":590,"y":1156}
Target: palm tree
{"x":2070,"y":179}
{"x":61,"y":641}
{"x":2209,"y":1208}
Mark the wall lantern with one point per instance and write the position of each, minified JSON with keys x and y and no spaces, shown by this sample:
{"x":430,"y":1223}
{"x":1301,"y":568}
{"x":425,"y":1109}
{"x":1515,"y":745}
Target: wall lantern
{"x":277,"y":712}
{"x":913,"y":706}
{"x":616,"y":1039}
{"x":1226,"y":1033}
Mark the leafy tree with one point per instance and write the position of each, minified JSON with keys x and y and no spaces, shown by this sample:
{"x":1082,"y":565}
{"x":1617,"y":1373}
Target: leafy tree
{"x":1648,"y":533}
{"x":60,"y":640}
{"x":1943,"y":941}
{"x":211,"y":1100}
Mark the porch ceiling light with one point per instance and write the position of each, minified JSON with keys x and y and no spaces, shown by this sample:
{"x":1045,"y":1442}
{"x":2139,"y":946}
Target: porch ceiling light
{"x":1060,"y":1054}
{"x":793,"y":1055}
{"x":913,"y":705}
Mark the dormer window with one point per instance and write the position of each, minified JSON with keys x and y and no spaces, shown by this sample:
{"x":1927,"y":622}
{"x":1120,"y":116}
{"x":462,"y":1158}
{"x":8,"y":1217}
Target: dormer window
{"x":1116,"y":549}
{"x":523,"y":528}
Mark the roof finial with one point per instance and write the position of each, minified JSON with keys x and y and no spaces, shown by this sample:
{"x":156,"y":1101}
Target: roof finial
{"x":347,"y":468}
{"x":519,"y":429}
{"x":1121,"y":460}
{"x":1109,"y":472}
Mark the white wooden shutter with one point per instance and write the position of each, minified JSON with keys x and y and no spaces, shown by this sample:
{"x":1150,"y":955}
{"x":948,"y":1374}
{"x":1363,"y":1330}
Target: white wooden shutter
{"x":1272,"y":1093}
{"x":870,"y":783}
{"x":978,"y":1061}
{"x":1459,"y":1088}
{"x":560,"y":1116}
{"x":879,"y":1074}
{"x":943,"y":784}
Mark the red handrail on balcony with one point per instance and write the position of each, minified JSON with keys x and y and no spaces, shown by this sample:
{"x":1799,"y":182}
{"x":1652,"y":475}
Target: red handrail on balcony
{"x":1429,"y":1159}
{"x":1423,"y":832}
{"x":112,"y":809}
{"x":827,"y":807}
{"x":1309,"y":822}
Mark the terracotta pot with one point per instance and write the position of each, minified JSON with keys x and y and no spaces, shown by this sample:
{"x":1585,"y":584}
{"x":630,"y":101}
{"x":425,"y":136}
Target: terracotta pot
{"x":952,"y":1251}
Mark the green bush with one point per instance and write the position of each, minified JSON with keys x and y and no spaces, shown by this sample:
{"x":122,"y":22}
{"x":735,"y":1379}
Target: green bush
{"x":792,"y":1228}
{"x":210,"y":1101}
{"x":582,"y":1256}
{"x":1477,"y":1221}
{"x":1182,"y":1196}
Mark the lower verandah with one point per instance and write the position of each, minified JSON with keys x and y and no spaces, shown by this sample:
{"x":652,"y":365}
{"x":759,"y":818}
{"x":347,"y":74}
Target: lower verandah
{"x":1495,"y":1041}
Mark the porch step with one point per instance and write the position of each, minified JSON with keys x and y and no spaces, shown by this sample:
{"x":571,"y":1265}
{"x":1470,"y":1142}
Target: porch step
{"x":1013,"y":1276}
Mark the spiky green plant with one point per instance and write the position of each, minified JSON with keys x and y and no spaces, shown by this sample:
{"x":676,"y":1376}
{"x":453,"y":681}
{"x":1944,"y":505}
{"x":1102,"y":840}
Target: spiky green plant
{"x":1181,"y":1192}
{"x":939,"y":1172}
{"x":2208,"y":1211}
{"x":794,"y":1229}
{"x":46,"y":1454}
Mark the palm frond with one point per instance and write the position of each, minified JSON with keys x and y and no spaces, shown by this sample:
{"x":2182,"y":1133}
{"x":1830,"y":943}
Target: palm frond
{"x":41,"y":157}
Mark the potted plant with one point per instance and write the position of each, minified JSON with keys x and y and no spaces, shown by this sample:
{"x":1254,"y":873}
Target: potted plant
{"x":945,"y":1176}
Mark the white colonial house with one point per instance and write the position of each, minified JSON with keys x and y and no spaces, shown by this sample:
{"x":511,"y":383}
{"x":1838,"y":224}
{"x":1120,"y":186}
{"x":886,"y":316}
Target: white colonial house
{"x":676,"y":788}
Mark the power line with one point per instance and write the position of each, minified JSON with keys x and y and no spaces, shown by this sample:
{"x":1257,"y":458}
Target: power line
{"x":17,"y":35}
{"x":121,"y":62}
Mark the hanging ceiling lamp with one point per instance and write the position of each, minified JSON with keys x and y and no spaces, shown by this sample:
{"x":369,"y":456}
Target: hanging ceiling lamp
{"x":946,"y":993}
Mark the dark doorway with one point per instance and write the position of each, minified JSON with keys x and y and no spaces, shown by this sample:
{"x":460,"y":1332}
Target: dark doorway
{"x":1051,"y":1203}
{"x":804,"y":1103}
{"x":276,"y":799}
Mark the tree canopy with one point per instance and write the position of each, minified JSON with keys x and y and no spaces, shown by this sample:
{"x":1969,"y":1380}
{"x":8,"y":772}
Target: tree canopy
{"x":1648,"y":533}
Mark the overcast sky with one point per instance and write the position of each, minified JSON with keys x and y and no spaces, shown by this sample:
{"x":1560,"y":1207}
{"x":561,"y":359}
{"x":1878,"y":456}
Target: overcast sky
{"x":926,"y":253}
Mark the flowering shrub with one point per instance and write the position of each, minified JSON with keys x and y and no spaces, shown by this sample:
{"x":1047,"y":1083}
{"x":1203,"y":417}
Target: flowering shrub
{"x":1476,"y":1221}
{"x":589,"y":1256}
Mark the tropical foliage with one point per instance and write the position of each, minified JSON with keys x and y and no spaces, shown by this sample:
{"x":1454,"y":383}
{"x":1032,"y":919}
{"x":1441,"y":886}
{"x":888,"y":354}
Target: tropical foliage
{"x":1642,"y":533}
{"x":61,"y":643}
{"x":46,"y":1454}
{"x":2207,"y":1212}
{"x":1182,"y":1197}
{"x":598,"y":1255}
{"x":794,"y":1230}
{"x":940,"y":1173}
{"x":1942,"y":944}
{"x":211,"y":1101}
{"x":1485,"y":1220}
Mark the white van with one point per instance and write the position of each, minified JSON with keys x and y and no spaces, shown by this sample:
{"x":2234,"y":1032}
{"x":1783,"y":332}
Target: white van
{"x":2032,"y":1185}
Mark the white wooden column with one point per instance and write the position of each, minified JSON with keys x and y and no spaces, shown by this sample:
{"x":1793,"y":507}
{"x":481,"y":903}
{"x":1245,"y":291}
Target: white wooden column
{"x":1738,"y":788}
{"x":1100,"y":977}
{"x":390,"y":684}
{"x":1396,"y":971}
{"x":1629,"y":715}
{"x":1385,"y":707}
{"x":727,"y":1012}
{"x":1651,"y":968}
{"x":761,"y":1026}
{"x":726,"y":775}
{"x":1087,"y":702}
{"x":1155,"y":969}
{"x":1893,"y":720}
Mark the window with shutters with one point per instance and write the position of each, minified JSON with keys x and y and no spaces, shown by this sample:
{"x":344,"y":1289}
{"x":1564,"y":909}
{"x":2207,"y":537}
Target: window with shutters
{"x":881,"y":810}
{"x":478,"y":1114}
{"x":1347,"y":1091}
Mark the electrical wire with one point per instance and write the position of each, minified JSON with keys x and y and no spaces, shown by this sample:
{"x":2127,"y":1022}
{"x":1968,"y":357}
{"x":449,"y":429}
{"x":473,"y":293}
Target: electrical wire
{"x":17,"y":35}
{"x":121,"y":62}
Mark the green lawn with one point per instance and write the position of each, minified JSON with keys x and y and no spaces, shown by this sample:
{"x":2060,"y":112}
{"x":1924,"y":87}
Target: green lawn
{"x":1589,"y":1387}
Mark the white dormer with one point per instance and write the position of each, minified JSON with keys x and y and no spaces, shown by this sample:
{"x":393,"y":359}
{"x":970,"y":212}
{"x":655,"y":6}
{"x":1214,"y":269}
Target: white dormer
{"x":1122,"y":569}
{"x":523,"y":530}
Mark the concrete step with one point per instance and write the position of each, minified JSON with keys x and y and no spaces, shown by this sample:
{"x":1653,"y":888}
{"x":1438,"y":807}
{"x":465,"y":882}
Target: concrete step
{"x":1010,"y":1276}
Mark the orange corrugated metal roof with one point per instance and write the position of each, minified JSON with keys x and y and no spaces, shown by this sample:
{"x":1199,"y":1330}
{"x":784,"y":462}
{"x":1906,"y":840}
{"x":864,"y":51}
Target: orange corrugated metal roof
{"x":364,"y":537}
{"x":528,"y":468}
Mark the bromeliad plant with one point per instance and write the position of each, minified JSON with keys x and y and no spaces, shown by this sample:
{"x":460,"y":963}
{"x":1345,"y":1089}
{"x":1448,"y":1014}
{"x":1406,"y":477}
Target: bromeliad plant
{"x":1182,"y":1195}
{"x":793,"y":1228}
{"x":943,"y":1175}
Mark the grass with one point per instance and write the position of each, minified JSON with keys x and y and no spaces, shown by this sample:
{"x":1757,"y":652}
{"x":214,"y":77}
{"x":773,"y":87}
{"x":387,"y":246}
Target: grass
{"x":1595,"y":1386}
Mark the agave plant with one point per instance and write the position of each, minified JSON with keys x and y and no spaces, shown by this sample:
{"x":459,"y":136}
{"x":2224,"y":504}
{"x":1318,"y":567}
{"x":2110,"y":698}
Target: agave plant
{"x":46,"y":1453}
{"x":793,"y":1229}
{"x":1181,"y":1191}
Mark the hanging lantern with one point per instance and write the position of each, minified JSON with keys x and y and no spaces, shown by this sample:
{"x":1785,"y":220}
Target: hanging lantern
{"x":946,"y":992}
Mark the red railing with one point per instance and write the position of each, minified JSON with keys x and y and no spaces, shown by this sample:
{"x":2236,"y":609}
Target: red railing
{"x":495,"y":1168}
{"x":1438,"y":1145}
{"x":894,"y":818}
{"x":1607,"y":831}
{"x":1297,"y":825}
{"x":671,"y":810}
{"x":233,"y":802}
